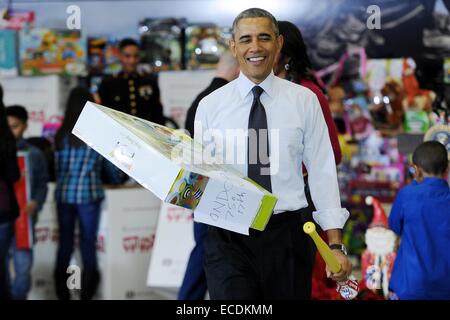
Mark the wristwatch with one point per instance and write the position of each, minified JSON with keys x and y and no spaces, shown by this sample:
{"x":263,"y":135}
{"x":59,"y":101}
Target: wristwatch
{"x":341,"y":247}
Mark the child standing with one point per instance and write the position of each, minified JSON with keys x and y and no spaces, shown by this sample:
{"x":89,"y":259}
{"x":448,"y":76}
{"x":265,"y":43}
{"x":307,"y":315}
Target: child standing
{"x":23,"y":258}
{"x":78,"y":194}
{"x":9,"y":209}
{"x":421,"y":216}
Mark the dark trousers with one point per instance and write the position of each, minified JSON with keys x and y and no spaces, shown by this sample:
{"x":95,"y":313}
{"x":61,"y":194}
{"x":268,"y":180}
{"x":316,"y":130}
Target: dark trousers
{"x":6,"y":236}
{"x":88,"y":216}
{"x":274,"y":264}
{"x":194,"y":281}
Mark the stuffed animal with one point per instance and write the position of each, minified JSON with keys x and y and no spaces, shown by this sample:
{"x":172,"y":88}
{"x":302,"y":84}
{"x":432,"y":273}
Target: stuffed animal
{"x":336,"y":95}
{"x":394,"y":91}
{"x":360,"y":124}
{"x":387,"y":110}
{"x":415,"y":98}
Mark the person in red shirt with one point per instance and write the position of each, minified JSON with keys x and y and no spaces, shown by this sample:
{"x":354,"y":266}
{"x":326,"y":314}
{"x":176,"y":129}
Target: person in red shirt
{"x":293,"y":64}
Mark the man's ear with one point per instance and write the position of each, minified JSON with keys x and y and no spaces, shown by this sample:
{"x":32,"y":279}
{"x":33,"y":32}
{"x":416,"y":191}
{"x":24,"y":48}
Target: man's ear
{"x":280,"y":41}
{"x":419,"y":173}
{"x":232,"y":46}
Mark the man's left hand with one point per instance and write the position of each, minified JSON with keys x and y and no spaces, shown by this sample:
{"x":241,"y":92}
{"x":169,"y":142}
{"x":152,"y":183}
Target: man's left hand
{"x":346,"y":267}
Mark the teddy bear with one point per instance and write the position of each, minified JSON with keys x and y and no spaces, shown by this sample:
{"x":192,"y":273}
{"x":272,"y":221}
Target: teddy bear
{"x":336,"y":95}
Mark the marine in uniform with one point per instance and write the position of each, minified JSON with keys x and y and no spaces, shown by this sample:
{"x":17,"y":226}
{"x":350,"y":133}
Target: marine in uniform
{"x":130,"y":91}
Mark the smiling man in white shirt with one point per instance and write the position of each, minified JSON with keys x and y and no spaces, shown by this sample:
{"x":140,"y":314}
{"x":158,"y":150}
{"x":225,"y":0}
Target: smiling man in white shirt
{"x":275,"y":263}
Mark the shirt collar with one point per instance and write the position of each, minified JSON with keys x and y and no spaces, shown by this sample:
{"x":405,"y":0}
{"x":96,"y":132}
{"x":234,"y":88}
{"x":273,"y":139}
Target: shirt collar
{"x":435,"y":181}
{"x":245,"y":85}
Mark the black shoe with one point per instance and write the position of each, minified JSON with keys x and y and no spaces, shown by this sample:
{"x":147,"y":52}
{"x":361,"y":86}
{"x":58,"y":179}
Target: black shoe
{"x":89,"y":284}
{"x":62,"y":292}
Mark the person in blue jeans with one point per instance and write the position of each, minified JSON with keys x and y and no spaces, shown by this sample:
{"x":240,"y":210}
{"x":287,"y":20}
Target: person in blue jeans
{"x":421,"y":216}
{"x":9,"y":209}
{"x":23,"y":259}
{"x":78,"y":194}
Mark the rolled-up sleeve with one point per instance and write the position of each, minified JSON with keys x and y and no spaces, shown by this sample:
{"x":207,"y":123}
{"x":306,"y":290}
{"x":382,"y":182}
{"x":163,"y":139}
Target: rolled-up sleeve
{"x":322,"y":176}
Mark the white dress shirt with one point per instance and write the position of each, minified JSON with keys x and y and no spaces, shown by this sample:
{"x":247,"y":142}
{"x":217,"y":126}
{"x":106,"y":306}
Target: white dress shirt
{"x":295,"y":114}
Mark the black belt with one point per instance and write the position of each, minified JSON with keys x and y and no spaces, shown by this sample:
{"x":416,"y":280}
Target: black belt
{"x":276,"y":220}
{"x":286,"y":217}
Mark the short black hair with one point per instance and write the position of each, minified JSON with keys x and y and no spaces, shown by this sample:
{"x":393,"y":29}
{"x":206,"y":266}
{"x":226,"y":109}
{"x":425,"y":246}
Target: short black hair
{"x":256,"y":13}
{"x":18,"y":112}
{"x":127,"y":42}
{"x":432,"y":157}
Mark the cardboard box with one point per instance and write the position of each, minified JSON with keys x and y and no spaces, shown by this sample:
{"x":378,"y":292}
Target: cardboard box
{"x":154,"y":156}
{"x":124,"y":246}
{"x":125,"y":243}
{"x":8,"y":56}
{"x":44,"y":97}
{"x":170,"y":256}
{"x":178,"y":89}
{"x":45,"y":51}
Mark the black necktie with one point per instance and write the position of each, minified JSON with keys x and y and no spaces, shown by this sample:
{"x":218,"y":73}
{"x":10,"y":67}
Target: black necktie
{"x":258,"y":143}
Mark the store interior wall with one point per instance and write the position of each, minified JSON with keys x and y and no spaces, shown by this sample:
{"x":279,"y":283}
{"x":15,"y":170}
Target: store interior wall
{"x":409,"y":28}
{"x":120,"y":18}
